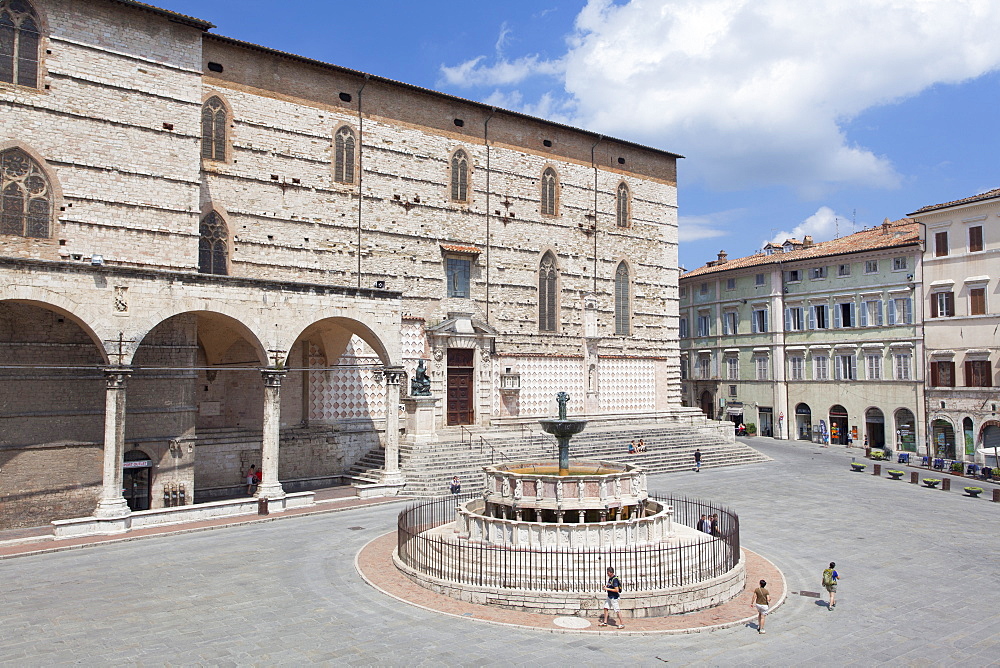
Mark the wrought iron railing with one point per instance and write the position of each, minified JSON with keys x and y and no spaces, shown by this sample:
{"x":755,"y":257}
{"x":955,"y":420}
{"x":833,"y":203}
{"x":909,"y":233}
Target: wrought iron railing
{"x":641,"y":568}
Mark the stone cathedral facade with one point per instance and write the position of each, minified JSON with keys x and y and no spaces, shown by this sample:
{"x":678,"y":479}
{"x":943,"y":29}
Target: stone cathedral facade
{"x":211,"y":251}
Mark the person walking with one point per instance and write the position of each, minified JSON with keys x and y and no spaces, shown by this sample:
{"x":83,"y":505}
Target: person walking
{"x":830,"y":579}
{"x":251,"y":479}
{"x":614,"y":590}
{"x":704,"y":525}
{"x":761,"y":599}
{"x":713,"y":524}
{"x":697,"y":460}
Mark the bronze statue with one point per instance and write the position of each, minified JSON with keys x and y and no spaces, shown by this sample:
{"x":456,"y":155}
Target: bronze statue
{"x":562,"y":399}
{"x":420,"y":386}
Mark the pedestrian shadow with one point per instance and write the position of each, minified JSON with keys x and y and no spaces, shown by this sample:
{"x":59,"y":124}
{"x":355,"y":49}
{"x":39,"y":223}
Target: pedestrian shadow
{"x":823,"y":604}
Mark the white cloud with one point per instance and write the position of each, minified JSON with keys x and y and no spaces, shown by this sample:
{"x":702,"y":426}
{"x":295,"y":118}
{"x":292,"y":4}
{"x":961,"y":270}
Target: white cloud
{"x":823,"y":225}
{"x":755,"y":92}
{"x":707,"y":226}
{"x":501,"y":72}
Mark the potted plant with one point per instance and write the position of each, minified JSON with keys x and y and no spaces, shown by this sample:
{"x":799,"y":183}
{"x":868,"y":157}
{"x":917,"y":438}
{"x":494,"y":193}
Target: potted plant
{"x":895,"y":474}
{"x":858,"y":466}
{"x":973,"y":491}
{"x":751,"y":429}
{"x":956,"y":468}
{"x":932,"y":482}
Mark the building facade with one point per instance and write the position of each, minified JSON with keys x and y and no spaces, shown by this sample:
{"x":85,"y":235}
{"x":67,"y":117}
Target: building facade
{"x":211,"y":250}
{"x":961,"y":277}
{"x":818,"y":342}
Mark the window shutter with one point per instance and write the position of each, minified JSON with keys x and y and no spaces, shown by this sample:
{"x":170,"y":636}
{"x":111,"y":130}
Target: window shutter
{"x":864,"y":314}
{"x":908,"y":307}
{"x":854,"y":366}
{"x":878,"y":312}
{"x":754,"y":320}
{"x":854,"y":318}
{"x":788,"y":319}
{"x":812,"y":317}
{"x":935,"y":376}
{"x":836,"y":367}
{"x":950,"y":302}
{"x":767,"y":319}
{"x":934,"y":306}
{"x":836,"y":316}
{"x":892,"y":311}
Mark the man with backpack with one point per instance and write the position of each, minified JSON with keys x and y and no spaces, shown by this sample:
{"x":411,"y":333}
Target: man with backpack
{"x":614,"y":589}
{"x":830,"y":578}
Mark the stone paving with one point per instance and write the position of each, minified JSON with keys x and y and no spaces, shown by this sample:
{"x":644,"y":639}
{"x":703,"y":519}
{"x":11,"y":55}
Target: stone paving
{"x":919,"y":568}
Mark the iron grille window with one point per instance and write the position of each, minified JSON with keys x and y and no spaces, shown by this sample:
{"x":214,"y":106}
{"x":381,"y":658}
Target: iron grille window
{"x":213,"y":245}
{"x":460,"y":177}
{"x":622,"y":306}
{"x":548,"y":296}
{"x":26,"y":208}
{"x":19,"y":43}
{"x":343,"y":155}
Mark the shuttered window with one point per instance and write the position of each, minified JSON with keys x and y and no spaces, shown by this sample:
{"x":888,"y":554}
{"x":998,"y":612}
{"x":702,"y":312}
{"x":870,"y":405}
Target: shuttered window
{"x":548,"y":296}
{"x":622,"y":306}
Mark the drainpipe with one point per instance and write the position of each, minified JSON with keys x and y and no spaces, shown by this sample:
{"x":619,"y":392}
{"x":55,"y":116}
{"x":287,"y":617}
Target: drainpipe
{"x":361,"y":171}
{"x":593,"y":163}
{"x":920,"y":350}
{"x":486,"y":143}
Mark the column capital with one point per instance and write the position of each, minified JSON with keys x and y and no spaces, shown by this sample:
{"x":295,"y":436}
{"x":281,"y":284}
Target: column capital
{"x":393,"y":374}
{"x":272,"y":376}
{"x":116,"y":376}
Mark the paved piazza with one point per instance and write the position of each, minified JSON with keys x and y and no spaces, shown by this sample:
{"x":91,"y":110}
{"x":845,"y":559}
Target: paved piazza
{"x":919,"y":568}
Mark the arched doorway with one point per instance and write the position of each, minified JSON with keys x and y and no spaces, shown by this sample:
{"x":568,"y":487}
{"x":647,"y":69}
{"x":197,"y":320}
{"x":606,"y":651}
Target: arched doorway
{"x":874,"y":428}
{"x":707,"y":403}
{"x":803,"y":422}
{"x":838,"y":424}
{"x":137,"y":480}
{"x":906,"y":432}
{"x":943,"y":437}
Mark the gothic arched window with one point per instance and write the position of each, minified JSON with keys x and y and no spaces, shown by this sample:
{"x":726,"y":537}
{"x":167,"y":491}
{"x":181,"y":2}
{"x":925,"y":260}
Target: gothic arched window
{"x":460,"y":176}
{"x":549,"y":186}
{"x":548,"y":294}
{"x":622,"y":306}
{"x":19,"y":43}
{"x":25,"y":196}
{"x":213,"y":245}
{"x":622,"y":207}
{"x":343,"y":155}
{"x":214,"y":119}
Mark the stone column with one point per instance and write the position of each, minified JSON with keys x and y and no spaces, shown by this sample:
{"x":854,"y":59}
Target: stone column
{"x":112,"y":504}
{"x":269,"y":487}
{"x":392,"y":474}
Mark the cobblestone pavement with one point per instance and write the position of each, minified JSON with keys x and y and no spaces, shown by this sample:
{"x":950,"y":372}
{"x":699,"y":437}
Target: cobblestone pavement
{"x":919,"y":567}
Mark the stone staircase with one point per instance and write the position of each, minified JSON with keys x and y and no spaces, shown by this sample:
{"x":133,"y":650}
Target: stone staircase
{"x":429,"y":467}
{"x":368,"y":469}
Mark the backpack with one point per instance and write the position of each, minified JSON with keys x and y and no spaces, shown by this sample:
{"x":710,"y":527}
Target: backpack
{"x":614,"y":581}
{"x":828,"y":577}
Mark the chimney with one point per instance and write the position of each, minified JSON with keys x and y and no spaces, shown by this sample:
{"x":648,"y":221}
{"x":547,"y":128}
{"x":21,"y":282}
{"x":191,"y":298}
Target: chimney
{"x":807,"y":241}
{"x":723,"y":257}
{"x":885,"y":226}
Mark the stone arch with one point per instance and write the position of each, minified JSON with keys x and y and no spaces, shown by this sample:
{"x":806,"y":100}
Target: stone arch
{"x":943,"y":436}
{"x":220,"y":312}
{"x":67,"y":308}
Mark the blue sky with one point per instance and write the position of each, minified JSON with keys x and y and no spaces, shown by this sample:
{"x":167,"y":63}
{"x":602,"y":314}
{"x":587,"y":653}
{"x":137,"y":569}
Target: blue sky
{"x":795,"y":117}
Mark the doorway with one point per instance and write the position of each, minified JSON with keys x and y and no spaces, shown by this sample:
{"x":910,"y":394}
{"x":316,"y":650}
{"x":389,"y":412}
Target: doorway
{"x":461,"y":374}
{"x":838,"y":425}
{"x":766,"y":417}
{"x":874,"y":428}
{"x":943,"y":434}
{"x":707,"y":404}
{"x":137,"y":474}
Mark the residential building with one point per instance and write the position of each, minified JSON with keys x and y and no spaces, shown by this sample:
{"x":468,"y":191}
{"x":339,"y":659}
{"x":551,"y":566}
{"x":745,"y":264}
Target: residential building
{"x":961,"y":278}
{"x":811,"y":341}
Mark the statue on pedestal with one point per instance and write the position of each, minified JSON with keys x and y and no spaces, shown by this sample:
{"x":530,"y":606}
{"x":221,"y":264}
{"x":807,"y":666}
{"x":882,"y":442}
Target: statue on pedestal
{"x":420,"y":386}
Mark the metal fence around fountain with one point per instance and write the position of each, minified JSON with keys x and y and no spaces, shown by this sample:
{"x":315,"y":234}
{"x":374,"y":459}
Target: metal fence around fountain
{"x":641,"y":568}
